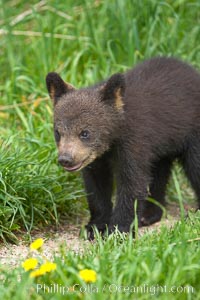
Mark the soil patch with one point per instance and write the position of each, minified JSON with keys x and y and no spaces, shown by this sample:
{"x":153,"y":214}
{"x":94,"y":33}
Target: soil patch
{"x":69,"y":237}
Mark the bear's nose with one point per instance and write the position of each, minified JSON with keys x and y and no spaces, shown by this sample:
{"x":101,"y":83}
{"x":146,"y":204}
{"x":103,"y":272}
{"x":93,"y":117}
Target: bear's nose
{"x":66,"y":160}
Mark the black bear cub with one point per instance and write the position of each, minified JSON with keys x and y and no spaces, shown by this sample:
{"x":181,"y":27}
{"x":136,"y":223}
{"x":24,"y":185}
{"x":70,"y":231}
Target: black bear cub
{"x":129,"y":129}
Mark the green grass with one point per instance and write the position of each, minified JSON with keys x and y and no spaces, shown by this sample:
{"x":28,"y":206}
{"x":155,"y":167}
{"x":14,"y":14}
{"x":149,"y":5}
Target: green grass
{"x":33,"y":189}
{"x":85,"y":41}
{"x":160,"y":265}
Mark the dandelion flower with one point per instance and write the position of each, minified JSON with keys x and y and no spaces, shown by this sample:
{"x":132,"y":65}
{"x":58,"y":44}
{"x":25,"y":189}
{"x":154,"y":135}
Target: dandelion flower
{"x":30,"y":264}
{"x":44,"y":268}
{"x":48,"y":267}
{"x":36,"y":273}
{"x":88,"y":275}
{"x":37,"y":244}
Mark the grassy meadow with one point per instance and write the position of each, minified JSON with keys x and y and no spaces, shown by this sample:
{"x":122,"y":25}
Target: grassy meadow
{"x":85,"y":41}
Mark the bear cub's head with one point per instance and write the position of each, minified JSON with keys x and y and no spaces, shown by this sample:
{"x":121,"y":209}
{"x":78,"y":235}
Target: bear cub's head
{"x":86,"y":121}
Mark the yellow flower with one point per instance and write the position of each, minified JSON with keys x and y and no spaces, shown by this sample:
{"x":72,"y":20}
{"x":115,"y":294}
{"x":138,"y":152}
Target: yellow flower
{"x":48,"y":267}
{"x":44,"y":268}
{"x":30,"y":264}
{"x":37,"y":244}
{"x":36,"y":273}
{"x":88,"y":275}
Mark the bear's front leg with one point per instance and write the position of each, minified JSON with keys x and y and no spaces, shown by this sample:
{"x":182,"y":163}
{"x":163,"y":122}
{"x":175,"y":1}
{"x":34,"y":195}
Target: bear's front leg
{"x":98,"y":179}
{"x":132,"y":183}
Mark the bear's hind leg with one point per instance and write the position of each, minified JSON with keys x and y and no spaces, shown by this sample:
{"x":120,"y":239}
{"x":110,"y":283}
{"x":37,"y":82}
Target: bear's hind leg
{"x":160,"y":176}
{"x":191,"y":164}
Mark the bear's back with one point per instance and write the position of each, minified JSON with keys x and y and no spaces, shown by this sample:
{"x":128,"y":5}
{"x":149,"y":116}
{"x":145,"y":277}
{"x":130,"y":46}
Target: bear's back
{"x":163,"y":75}
{"x":162,"y":101}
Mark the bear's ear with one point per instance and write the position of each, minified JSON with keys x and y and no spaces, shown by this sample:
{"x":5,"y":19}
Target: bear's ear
{"x":56,"y":86}
{"x":113,"y":91}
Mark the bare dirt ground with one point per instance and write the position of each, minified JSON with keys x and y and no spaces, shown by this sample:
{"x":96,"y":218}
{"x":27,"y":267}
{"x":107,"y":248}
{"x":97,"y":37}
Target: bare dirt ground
{"x":12,"y":255}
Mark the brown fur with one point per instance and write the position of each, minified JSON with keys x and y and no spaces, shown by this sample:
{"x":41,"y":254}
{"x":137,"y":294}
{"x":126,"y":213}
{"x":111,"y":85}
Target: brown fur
{"x":118,"y":100}
{"x":130,"y":128}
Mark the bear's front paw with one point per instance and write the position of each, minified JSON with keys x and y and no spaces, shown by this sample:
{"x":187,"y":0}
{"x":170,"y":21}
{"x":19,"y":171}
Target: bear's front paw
{"x":123,"y":228}
{"x":91,"y":228}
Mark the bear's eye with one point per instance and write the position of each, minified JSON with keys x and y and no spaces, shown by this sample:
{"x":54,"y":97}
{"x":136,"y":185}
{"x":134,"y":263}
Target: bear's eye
{"x":85,"y":134}
{"x":57,"y":135}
